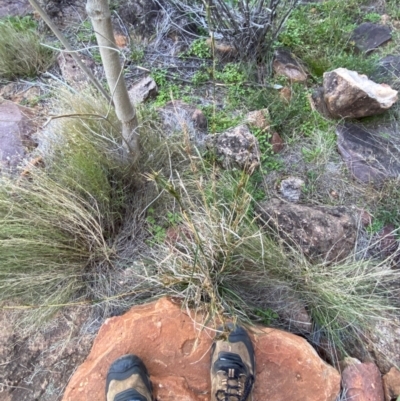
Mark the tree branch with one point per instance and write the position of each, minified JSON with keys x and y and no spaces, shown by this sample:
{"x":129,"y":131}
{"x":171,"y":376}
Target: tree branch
{"x":68,"y":47}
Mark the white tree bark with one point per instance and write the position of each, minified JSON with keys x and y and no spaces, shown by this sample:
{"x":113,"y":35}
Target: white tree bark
{"x":99,"y":13}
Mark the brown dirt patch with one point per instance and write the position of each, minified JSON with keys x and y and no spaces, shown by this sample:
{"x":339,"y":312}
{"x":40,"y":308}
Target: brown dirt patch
{"x":36,"y":365}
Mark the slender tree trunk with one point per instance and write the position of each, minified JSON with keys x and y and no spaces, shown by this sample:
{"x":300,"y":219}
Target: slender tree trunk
{"x":99,"y":13}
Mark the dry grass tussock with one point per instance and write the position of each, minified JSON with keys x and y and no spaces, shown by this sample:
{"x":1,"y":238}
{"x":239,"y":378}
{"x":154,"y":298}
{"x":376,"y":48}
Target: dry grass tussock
{"x":21,"y":53}
{"x":78,"y":230}
{"x":70,"y":228}
{"x":48,"y":236}
{"x":57,"y":221}
{"x":219,"y":260}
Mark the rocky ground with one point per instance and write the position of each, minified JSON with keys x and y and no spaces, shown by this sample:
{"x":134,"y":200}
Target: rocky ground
{"x":328,"y":196}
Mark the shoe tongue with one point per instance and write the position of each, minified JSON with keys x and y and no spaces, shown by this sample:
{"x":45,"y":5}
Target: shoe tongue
{"x":230,"y":362}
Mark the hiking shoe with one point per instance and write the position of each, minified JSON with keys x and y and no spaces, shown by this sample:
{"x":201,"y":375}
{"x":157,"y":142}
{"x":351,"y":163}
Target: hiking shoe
{"x":232,"y":367}
{"x":128,"y":380}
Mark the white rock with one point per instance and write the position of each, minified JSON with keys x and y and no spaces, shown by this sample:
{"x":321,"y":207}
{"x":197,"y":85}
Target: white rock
{"x":349,"y":94}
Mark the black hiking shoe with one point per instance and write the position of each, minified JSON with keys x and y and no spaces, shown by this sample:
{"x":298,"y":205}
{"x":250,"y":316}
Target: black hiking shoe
{"x":232,"y":367}
{"x":128,"y":380}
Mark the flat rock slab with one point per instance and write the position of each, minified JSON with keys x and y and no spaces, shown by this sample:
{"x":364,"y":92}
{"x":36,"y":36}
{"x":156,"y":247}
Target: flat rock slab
{"x":176,"y":352}
{"x":320,"y":232}
{"x":367,"y":36}
{"x":287,"y":65}
{"x":362,"y":382}
{"x":389,"y":70}
{"x":369,"y":154}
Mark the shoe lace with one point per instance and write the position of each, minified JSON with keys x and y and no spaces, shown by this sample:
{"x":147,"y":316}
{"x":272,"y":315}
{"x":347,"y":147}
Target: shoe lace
{"x":235,"y":386}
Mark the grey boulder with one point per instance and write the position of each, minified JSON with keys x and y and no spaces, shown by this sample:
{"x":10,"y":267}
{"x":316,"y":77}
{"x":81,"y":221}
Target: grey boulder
{"x":321,"y":233}
{"x":143,"y":90}
{"x":368,"y":36}
{"x":236,"y":148}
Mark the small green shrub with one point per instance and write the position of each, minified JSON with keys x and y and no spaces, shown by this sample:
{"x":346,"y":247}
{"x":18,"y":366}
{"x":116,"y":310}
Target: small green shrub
{"x":137,"y":52}
{"x":85,"y":32}
{"x":156,"y":231}
{"x":220,"y":120}
{"x":268,"y":158}
{"x":289,"y":119}
{"x":160,"y":76}
{"x":372,"y":17}
{"x":157,"y":226}
{"x":392,"y":7}
{"x":267,"y":316}
{"x":21,"y":23}
{"x":200,"y":77}
{"x":231,"y":74}
{"x":21,"y":54}
{"x":319,"y":34}
{"x":199,"y":48}
{"x":169,"y":87}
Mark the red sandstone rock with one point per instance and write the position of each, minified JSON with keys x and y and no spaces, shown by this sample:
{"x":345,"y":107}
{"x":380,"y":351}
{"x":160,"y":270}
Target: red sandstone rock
{"x":286,"y":94}
{"x":177,"y":353}
{"x":120,"y":40}
{"x":362,"y":382}
{"x":277,"y":143}
{"x":391,"y":384}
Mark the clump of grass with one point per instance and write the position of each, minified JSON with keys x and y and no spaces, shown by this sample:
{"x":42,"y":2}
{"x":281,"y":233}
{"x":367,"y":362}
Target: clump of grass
{"x":220,"y":261}
{"x":320,"y":35}
{"x":58,"y":221}
{"x":21,"y":54}
{"x":70,"y":228}
{"x":384,"y":202}
{"x":348,"y":299}
{"x":82,"y":148}
{"x":319,"y":147}
{"x":49,"y":235}
{"x":288,"y":119}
